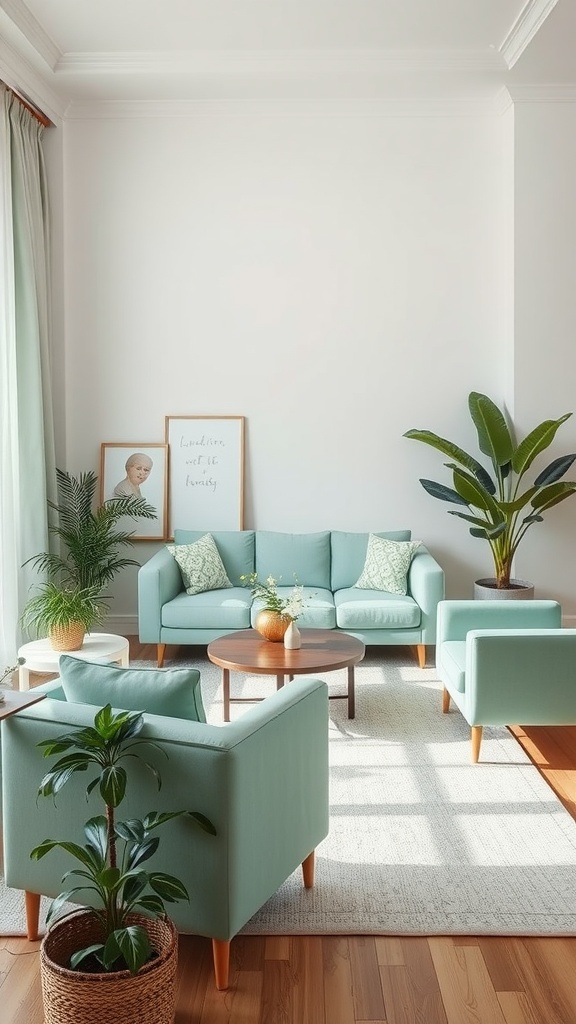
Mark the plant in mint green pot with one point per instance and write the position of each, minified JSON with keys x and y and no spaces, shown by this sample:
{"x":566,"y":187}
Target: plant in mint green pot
{"x":501,"y":505}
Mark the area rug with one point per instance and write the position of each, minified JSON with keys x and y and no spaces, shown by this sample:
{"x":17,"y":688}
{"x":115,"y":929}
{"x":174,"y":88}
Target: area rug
{"x":421,"y":841}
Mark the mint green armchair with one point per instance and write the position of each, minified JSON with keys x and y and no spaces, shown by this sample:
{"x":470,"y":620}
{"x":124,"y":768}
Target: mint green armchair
{"x":262,"y":780}
{"x":506,"y":663}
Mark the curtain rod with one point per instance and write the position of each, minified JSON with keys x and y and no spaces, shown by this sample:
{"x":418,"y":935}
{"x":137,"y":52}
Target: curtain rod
{"x":41,"y":117}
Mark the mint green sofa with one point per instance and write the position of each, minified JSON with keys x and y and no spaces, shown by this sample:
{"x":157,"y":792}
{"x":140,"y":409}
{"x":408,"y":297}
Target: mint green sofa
{"x":262,"y":780}
{"x":326,"y":564}
{"x":506,"y":663}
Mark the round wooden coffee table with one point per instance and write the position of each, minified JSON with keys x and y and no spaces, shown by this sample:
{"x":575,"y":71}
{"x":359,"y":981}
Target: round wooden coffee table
{"x":322,"y":650}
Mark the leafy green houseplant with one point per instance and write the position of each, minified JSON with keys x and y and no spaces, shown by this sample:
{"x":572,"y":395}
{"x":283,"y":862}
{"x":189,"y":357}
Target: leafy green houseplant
{"x":90,"y":556}
{"x":501,"y":506}
{"x":112,"y":857}
{"x":56,"y":608}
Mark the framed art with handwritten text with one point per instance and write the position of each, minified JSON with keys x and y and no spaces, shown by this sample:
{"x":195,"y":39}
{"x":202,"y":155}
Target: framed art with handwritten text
{"x":206,"y":474}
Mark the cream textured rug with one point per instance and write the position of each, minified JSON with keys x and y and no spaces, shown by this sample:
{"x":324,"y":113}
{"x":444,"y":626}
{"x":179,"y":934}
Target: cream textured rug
{"x":421,"y":841}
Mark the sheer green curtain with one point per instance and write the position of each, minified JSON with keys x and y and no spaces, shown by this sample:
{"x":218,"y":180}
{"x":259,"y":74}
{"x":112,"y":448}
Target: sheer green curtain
{"x":27,"y":463}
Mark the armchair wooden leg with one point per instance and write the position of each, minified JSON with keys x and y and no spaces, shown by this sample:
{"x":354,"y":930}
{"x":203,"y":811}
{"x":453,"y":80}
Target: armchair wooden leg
{"x":445,"y":701}
{"x":421,"y":653}
{"x":221,"y":957}
{"x":32,"y":904}
{"x":308,"y":869}
{"x":160,"y":654}
{"x":476,"y":738}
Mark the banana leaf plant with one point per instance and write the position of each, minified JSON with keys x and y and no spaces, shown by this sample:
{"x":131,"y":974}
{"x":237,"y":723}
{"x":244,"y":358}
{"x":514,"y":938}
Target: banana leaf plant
{"x":114,"y":851}
{"x":501,"y":507}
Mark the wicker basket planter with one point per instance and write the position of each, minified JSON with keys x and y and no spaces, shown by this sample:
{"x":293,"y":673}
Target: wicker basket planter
{"x":67,"y":638}
{"x":75,"y":997}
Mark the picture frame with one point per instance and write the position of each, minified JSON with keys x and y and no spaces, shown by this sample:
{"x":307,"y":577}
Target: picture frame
{"x":114,"y":482}
{"x":206,"y":474}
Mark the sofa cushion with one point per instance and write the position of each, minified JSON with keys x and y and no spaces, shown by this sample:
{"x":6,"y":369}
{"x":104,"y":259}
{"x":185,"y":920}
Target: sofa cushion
{"x":453,"y":656}
{"x":175,"y":692}
{"x":236,"y":549}
{"x":386,"y":565}
{"x":200,"y":564}
{"x":213,"y":609}
{"x":375,"y":609}
{"x":349,"y":554}
{"x":302,"y":558}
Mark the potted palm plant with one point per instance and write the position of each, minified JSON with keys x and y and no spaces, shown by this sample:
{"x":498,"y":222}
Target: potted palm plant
{"x":90,"y":542}
{"x":121,"y":952}
{"x":501,"y":508}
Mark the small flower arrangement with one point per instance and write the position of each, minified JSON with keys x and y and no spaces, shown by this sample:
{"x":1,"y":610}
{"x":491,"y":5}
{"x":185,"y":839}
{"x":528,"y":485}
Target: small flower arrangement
{"x":267,"y":591}
{"x":10,"y":669}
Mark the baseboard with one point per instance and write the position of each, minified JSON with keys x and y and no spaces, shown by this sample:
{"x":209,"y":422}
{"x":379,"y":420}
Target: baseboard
{"x":123,"y":625}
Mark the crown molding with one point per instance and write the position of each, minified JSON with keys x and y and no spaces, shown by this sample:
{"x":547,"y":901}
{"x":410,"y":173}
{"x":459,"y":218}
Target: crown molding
{"x":256,"y":62}
{"x":376,"y":108}
{"x":529,"y":21}
{"x":20,"y":76}
{"x":26,"y":23}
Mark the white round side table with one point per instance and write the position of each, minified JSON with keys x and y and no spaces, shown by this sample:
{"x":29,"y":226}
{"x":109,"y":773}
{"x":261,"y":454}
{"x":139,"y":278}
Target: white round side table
{"x":40,"y":656}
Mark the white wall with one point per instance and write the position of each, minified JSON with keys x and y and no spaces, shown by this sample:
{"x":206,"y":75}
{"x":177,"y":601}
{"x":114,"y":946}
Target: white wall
{"x":336,"y":280}
{"x":545,"y":318}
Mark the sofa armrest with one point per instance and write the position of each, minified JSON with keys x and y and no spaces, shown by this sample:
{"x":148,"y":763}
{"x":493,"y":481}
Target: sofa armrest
{"x":426,"y":586}
{"x":456,"y":618}
{"x":159,"y":581}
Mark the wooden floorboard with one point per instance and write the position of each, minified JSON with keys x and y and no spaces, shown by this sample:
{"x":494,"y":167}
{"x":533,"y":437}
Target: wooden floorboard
{"x":361,"y":979}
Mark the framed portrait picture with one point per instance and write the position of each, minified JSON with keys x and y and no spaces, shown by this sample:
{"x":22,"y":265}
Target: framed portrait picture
{"x":206,"y":478}
{"x":141,"y":470}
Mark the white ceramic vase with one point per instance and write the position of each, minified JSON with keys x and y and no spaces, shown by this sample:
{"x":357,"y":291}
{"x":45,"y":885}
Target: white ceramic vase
{"x":292,"y":638}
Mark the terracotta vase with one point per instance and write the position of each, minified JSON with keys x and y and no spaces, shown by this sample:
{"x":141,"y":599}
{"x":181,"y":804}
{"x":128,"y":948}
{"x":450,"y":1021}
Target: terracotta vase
{"x":272,"y":625}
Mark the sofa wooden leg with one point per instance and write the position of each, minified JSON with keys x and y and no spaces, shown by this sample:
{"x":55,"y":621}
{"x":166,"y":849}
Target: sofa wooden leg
{"x":32,"y":904}
{"x":476,"y":738}
{"x":421,"y":653}
{"x":221,"y":957}
{"x":308,"y":869}
{"x":445,"y":701}
{"x":160,"y":654}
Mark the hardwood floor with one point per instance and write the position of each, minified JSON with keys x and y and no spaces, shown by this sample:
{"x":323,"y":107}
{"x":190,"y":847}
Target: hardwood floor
{"x":362,"y":979}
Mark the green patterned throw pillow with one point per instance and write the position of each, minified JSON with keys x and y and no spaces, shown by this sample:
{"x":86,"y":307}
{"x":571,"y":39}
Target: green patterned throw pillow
{"x":387,"y":563}
{"x":201,"y":565}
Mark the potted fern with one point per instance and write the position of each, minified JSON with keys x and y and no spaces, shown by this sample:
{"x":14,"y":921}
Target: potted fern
{"x":122,"y":952}
{"x":501,"y":507}
{"x":90,"y":539}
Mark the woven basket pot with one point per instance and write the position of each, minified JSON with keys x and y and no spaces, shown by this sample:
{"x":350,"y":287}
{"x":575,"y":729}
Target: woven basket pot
{"x":118,"y":997}
{"x":272,"y":625}
{"x":68,"y":638}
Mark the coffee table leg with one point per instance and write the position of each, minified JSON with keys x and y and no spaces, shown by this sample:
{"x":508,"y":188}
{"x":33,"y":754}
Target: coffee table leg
{"x":279,"y":682}
{"x":226,"y":693}
{"x":351,"y":700}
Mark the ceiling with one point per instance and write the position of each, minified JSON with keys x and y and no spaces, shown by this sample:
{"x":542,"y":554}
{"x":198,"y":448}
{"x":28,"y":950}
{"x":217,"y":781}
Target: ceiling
{"x":87,"y":51}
